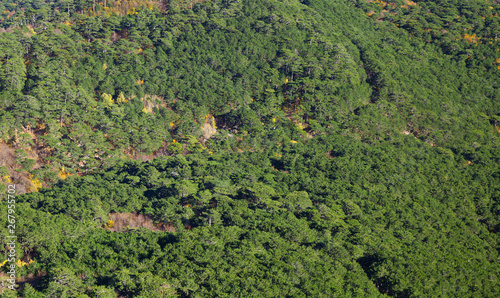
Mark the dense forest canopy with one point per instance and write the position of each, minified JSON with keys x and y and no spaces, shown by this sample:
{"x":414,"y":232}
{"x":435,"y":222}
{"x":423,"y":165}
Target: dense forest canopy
{"x":320,"y":148}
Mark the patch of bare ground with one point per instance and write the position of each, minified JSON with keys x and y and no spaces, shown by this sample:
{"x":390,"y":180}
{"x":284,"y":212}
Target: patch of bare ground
{"x":7,"y":155}
{"x":163,"y":151}
{"x":144,"y":157}
{"x":32,"y":279}
{"x":37,"y":152}
{"x":126,"y":221}
{"x":8,"y":159}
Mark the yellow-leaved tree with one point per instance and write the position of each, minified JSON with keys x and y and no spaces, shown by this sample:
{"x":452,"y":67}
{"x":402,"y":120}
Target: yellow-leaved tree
{"x":121,"y":98}
{"x":107,"y":99}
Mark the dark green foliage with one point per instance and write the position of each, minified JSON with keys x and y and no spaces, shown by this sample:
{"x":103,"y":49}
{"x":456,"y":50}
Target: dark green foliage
{"x":304,"y":148}
{"x":298,"y":225}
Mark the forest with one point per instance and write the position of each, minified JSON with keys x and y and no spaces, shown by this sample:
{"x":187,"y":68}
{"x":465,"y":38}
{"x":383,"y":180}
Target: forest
{"x":250,"y":148}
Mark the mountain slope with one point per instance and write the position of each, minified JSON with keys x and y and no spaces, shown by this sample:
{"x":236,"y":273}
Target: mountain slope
{"x":303,"y":148}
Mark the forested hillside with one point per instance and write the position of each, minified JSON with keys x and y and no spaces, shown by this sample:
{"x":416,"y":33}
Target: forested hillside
{"x":320,"y":148}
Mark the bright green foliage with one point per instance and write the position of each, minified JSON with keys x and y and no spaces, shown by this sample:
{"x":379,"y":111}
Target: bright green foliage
{"x":353,"y":150}
{"x":358,"y":224}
